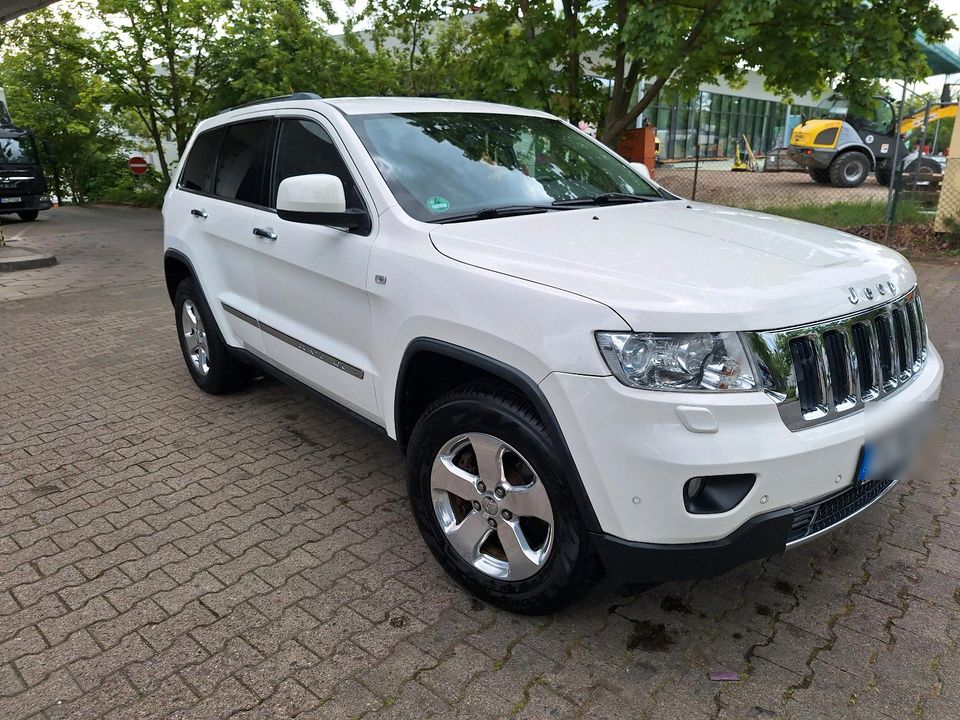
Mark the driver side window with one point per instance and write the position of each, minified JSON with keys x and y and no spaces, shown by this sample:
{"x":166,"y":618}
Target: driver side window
{"x":305,"y":148}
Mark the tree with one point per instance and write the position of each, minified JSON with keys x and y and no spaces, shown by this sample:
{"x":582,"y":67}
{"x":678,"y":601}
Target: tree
{"x":798,"y":47}
{"x":276,"y":47}
{"x":53,"y":90}
{"x":155,"y":58}
{"x":426,"y":42}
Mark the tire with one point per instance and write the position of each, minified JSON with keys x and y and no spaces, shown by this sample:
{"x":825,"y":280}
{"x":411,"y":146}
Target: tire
{"x":820,"y":175}
{"x":923,"y":166}
{"x":211,"y":365}
{"x":562,"y":565}
{"x":29,"y":215}
{"x":849,"y":169}
{"x":884,"y":177}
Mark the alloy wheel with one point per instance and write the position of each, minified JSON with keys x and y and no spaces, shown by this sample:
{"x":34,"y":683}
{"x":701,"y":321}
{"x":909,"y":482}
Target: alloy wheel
{"x":492,"y":507}
{"x":195,"y":337}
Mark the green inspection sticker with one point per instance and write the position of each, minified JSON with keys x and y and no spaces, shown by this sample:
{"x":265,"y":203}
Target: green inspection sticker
{"x":438,"y":204}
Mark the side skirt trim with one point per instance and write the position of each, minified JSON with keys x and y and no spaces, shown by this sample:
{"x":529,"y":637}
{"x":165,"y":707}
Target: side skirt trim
{"x":269,"y":369}
{"x":293,"y":342}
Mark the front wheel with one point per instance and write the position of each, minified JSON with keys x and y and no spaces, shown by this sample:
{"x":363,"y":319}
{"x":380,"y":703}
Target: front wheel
{"x":29,"y":215}
{"x":884,"y":177}
{"x":849,"y":169}
{"x":493,"y":505}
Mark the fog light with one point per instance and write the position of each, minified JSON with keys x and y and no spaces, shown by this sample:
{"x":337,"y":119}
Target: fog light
{"x":716,"y":493}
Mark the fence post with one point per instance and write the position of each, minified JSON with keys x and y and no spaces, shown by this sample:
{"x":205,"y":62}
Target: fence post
{"x":923,"y":140}
{"x":893,"y":191}
{"x":696,"y":156}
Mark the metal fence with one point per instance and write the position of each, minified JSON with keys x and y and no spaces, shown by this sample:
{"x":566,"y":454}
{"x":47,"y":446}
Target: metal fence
{"x":913,"y":211}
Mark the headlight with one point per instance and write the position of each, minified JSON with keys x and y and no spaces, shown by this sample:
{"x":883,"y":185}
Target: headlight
{"x":678,"y":361}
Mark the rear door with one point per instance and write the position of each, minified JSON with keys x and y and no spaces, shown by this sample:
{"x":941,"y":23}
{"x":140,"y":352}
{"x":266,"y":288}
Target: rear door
{"x":315,"y":314}
{"x":227,"y":204}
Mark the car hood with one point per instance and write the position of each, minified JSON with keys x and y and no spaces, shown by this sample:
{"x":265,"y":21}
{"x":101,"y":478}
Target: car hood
{"x":684,"y":266}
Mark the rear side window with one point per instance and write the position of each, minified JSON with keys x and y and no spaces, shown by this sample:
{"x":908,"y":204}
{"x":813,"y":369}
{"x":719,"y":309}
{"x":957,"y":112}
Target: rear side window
{"x":198,"y":172}
{"x":242,"y":169}
{"x":305,"y":148}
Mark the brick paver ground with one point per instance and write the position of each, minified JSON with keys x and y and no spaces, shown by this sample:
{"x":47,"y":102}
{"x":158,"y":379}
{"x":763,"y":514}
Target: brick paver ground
{"x":166,"y":553}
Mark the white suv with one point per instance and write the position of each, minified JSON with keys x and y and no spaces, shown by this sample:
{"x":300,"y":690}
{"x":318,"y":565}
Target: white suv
{"x":584,"y":371}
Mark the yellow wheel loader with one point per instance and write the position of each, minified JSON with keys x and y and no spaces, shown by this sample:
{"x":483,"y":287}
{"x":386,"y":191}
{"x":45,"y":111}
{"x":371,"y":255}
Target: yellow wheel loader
{"x":841,"y":149}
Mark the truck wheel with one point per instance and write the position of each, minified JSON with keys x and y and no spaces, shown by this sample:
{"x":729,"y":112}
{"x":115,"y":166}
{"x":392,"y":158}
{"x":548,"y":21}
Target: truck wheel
{"x":884,"y":176}
{"x":924,"y":166}
{"x":820,"y":175}
{"x":206,"y":355}
{"x":29,"y":215}
{"x":493,"y":505}
{"x":849,"y":169}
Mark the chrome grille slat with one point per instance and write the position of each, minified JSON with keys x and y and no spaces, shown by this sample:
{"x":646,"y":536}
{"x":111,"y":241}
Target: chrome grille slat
{"x":824,"y":371}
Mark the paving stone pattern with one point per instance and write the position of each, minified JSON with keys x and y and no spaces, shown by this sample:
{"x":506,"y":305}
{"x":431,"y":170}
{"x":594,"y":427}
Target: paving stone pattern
{"x":168,"y":554}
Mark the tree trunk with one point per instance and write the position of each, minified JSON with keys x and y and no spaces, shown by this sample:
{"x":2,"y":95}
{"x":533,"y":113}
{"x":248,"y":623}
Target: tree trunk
{"x":619,"y":118}
{"x":572,"y":22}
{"x":617,"y":123}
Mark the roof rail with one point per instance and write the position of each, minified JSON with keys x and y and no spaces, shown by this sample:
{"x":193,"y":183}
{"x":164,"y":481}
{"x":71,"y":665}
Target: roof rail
{"x":277,"y":98}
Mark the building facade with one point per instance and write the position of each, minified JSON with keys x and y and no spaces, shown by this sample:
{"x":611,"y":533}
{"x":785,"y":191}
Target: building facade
{"x":718,"y":116}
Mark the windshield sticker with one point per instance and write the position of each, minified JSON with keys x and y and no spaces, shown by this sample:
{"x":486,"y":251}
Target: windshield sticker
{"x":437,"y":204}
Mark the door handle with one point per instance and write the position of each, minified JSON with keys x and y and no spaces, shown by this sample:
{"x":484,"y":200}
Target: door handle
{"x":265,"y":234}
{"x":199,"y":213}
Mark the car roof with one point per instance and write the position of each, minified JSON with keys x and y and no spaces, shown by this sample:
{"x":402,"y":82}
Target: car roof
{"x":377,"y":105}
{"x":367,"y":106}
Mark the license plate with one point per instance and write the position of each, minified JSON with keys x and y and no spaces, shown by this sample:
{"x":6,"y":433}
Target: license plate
{"x":11,"y":200}
{"x":865,"y":467}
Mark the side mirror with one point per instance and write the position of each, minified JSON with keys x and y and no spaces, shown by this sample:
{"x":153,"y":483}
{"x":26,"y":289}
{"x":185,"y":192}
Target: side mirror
{"x":318,"y":200}
{"x":642,"y":169}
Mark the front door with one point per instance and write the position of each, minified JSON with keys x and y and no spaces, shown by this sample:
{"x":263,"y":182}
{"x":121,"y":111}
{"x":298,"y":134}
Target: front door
{"x":315,"y":314}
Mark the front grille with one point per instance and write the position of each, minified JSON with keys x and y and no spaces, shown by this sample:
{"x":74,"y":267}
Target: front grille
{"x":822,"y":372}
{"x":825,"y":513}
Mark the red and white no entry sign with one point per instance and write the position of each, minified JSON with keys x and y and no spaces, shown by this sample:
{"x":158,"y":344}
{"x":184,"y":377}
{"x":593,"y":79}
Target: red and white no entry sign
{"x":138,"y":166}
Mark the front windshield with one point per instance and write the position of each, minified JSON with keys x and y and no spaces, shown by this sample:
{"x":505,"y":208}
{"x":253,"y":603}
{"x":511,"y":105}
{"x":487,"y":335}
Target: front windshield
{"x":18,"y":150}
{"x":441,"y":165}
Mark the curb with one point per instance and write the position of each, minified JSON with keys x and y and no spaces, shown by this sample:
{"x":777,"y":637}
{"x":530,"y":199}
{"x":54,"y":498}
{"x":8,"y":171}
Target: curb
{"x":26,"y":262}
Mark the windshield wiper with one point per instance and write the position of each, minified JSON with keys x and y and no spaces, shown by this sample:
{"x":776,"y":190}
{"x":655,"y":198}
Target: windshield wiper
{"x":495,"y":212}
{"x":610,"y":198}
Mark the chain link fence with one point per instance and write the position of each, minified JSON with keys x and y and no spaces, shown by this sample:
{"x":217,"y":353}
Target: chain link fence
{"x":916,"y":210}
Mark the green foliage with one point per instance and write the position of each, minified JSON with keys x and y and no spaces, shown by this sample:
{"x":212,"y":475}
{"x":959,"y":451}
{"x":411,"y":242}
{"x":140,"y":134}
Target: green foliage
{"x":276,"y":47}
{"x":162,"y":65}
{"x":125,"y":188}
{"x":155,"y":58}
{"x":425,"y":42}
{"x":52,"y":89}
{"x":798,"y":47}
{"x":850,"y":213}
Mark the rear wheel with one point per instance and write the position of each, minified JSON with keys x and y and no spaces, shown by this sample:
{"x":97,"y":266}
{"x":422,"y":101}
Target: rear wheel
{"x":923,"y":168}
{"x":849,"y":169}
{"x":205,"y":353}
{"x":493,"y":505}
{"x":29,"y":215}
{"x":820,"y":175}
{"x":884,"y":176}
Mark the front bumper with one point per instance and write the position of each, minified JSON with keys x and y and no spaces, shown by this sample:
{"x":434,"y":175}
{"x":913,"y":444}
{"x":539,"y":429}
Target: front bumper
{"x":635,"y":453}
{"x":761,"y":536}
{"x":27,"y":203}
{"x":816,"y":160}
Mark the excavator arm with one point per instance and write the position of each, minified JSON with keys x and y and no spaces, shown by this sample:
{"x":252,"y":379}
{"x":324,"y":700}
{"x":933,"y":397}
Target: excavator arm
{"x":915,"y":120}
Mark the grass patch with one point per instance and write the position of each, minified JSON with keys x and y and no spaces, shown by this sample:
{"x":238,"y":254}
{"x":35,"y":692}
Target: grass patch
{"x":852,"y":214}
